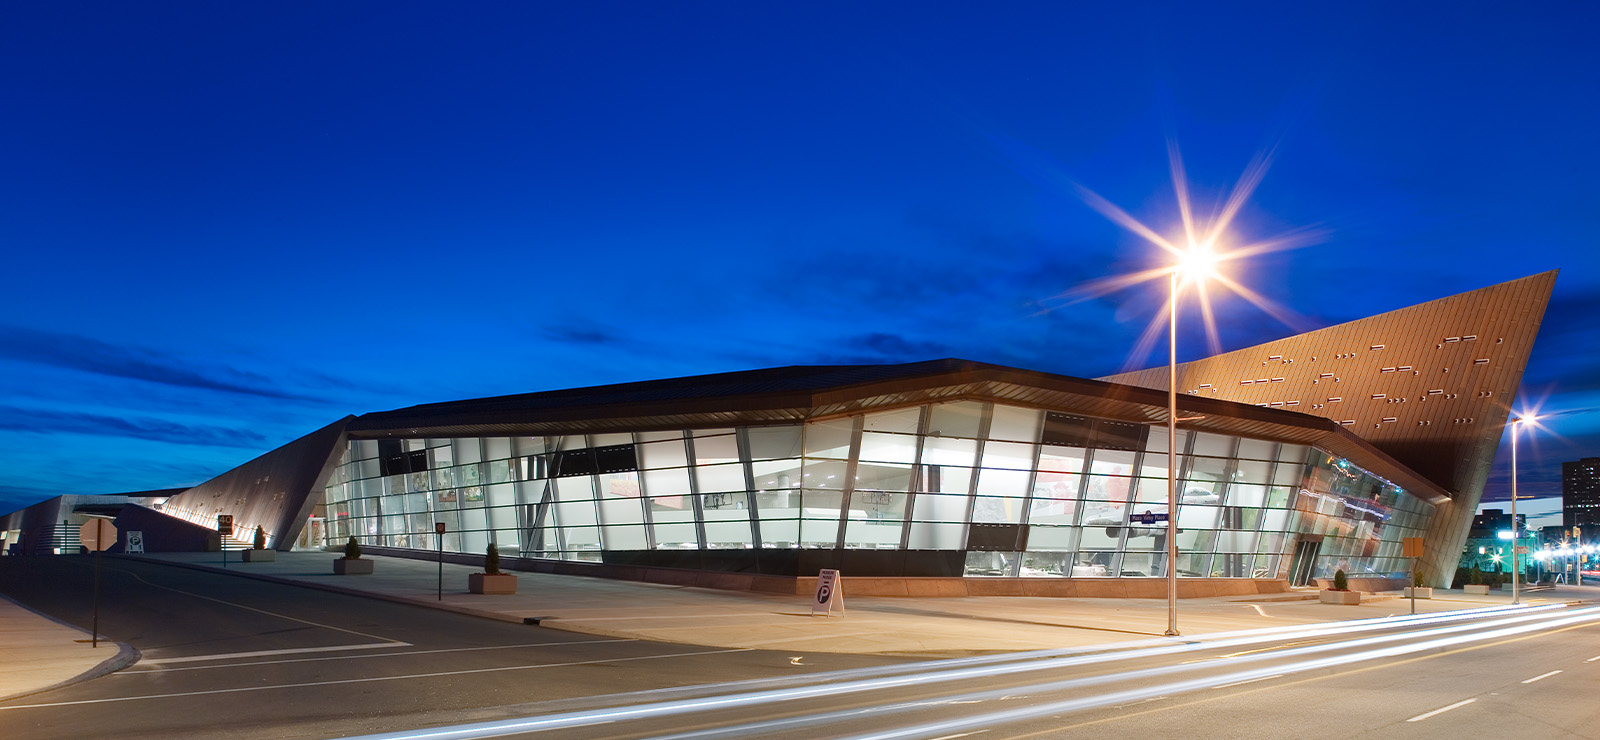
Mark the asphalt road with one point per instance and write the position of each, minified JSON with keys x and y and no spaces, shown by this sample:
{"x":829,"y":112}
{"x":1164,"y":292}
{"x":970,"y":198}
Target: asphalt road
{"x":1521,"y":675}
{"x":230,"y":657}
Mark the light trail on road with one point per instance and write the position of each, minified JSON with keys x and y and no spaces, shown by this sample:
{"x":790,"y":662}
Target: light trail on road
{"x":970,"y":668}
{"x":1232,"y":679}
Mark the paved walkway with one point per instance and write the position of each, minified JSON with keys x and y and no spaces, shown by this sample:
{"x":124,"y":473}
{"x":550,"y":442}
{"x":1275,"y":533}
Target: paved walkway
{"x":37,"y":653}
{"x":882,"y":624}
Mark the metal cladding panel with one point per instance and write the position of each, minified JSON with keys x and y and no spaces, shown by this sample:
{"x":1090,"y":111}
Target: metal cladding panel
{"x":275,"y":491}
{"x":1431,"y":385}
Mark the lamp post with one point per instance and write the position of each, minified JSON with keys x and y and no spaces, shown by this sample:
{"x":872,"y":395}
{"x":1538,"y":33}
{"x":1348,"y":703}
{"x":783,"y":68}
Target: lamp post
{"x":1172,"y":455}
{"x":1196,"y":263}
{"x":1516,"y":426}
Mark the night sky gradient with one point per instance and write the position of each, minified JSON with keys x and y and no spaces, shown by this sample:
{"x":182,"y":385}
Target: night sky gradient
{"x":229,"y":224}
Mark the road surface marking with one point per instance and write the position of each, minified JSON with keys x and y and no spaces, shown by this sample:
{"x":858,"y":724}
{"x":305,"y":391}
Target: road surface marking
{"x":366,"y":680}
{"x":141,"y":579}
{"x":1536,"y":678}
{"x":1253,"y":680}
{"x":288,"y":651}
{"x":136,"y":670}
{"x":964,"y":734}
{"x":1441,"y":710}
{"x":1591,"y":660}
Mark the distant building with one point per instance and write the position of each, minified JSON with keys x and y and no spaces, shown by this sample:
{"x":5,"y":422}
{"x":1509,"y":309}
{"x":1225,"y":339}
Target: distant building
{"x":1489,"y":523}
{"x":1580,"y":493}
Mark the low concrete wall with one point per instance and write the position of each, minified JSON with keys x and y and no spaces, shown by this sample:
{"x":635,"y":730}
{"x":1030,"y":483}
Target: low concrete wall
{"x":1105,"y":588}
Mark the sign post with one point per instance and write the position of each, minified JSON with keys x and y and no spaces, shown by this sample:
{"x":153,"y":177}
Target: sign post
{"x":830,"y":591}
{"x":97,"y":534}
{"x":438,"y":536}
{"x":224,"y":531}
{"x":1411,"y":547}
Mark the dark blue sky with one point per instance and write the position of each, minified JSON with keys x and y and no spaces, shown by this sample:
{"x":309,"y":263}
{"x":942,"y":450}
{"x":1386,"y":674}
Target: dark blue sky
{"x":228,"y":224}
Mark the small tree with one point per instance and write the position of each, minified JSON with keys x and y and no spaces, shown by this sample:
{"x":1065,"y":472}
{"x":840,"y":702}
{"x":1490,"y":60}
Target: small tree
{"x":1417,"y":580}
{"x":1340,"y":581}
{"x":261,"y":538}
{"x":1476,"y":576}
{"x":491,"y":560}
{"x":352,"y":549}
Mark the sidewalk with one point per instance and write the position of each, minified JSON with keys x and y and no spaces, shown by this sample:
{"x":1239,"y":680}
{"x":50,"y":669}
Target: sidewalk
{"x":879,"y":625}
{"x":39,"y":653}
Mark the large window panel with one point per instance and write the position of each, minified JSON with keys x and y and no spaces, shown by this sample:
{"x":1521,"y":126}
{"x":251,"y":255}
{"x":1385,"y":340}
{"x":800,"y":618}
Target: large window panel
{"x":1055,"y":498}
{"x":830,"y":439}
{"x":1052,"y":539}
{"x":1111,"y":462}
{"x":959,"y":419}
{"x":1213,"y":445}
{"x":1008,"y":455}
{"x":720,"y":478}
{"x":902,"y":421}
{"x":931,"y":507}
{"x":664,"y":454}
{"x":1252,"y":471}
{"x":871,"y":533}
{"x":997,"y":510}
{"x":1011,"y":483}
{"x":829,"y":474}
{"x":721,"y":448}
{"x":1015,"y":424}
{"x":1256,"y":449}
{"x":817,"y":530}
{"x":781,"y":533}
{"x":946,"y":451}
{"x":768,"y":443}
{"x":882,"y":477}
{"x":936,"y":535}
{"x":892,"y":448}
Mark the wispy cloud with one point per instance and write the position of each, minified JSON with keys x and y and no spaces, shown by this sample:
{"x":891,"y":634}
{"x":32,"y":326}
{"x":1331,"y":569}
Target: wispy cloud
{"x":94,"y":356}
{"x":21,"y":419}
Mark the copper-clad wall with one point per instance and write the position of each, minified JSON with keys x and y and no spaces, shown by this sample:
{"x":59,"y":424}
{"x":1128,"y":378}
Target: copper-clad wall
{"x":1431,"y":385}
{"x":275,"y":491}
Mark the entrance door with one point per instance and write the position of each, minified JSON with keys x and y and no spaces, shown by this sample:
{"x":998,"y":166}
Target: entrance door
{"x":1305,"y":560}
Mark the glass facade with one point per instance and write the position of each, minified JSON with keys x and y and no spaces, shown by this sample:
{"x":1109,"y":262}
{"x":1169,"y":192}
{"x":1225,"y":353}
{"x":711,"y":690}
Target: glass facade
{"x":1022,"y":492}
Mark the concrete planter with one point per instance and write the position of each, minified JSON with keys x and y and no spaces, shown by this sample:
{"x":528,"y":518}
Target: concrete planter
{"x":1419,"y":592}
{"x":492,"y":583}
{"x":259,"y":556}
{"x":348,"y":567}
{"x":1349,"y":598}
{"x":1480,"y":589}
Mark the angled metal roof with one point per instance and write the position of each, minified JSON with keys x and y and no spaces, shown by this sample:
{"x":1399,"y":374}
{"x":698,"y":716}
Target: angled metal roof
{"x":794,"y":394}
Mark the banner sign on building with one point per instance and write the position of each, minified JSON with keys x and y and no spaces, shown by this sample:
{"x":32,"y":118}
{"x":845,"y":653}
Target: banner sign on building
{"x":830,"y":592}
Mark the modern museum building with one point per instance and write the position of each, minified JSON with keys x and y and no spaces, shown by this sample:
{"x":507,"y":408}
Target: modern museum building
{"x":1296,"y":458}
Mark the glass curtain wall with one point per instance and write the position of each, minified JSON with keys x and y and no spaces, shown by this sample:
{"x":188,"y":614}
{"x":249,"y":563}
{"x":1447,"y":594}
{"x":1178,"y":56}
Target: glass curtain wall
{"x":1024,"y":492}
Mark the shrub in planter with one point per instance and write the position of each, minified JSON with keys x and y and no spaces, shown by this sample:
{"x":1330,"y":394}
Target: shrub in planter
{"x":259,"y":552}
{"x":1416,"y":590}
{"x":491,"y":580}
{"x":352,"y":564}
{"x":1340,"y":593}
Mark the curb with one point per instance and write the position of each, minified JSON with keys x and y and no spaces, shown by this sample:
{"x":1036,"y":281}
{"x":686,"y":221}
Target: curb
{"x":126,"y":655}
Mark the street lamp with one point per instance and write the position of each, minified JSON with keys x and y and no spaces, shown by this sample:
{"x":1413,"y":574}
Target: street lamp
{"x":1516,"y":426}
{"x":1197,"y":263}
